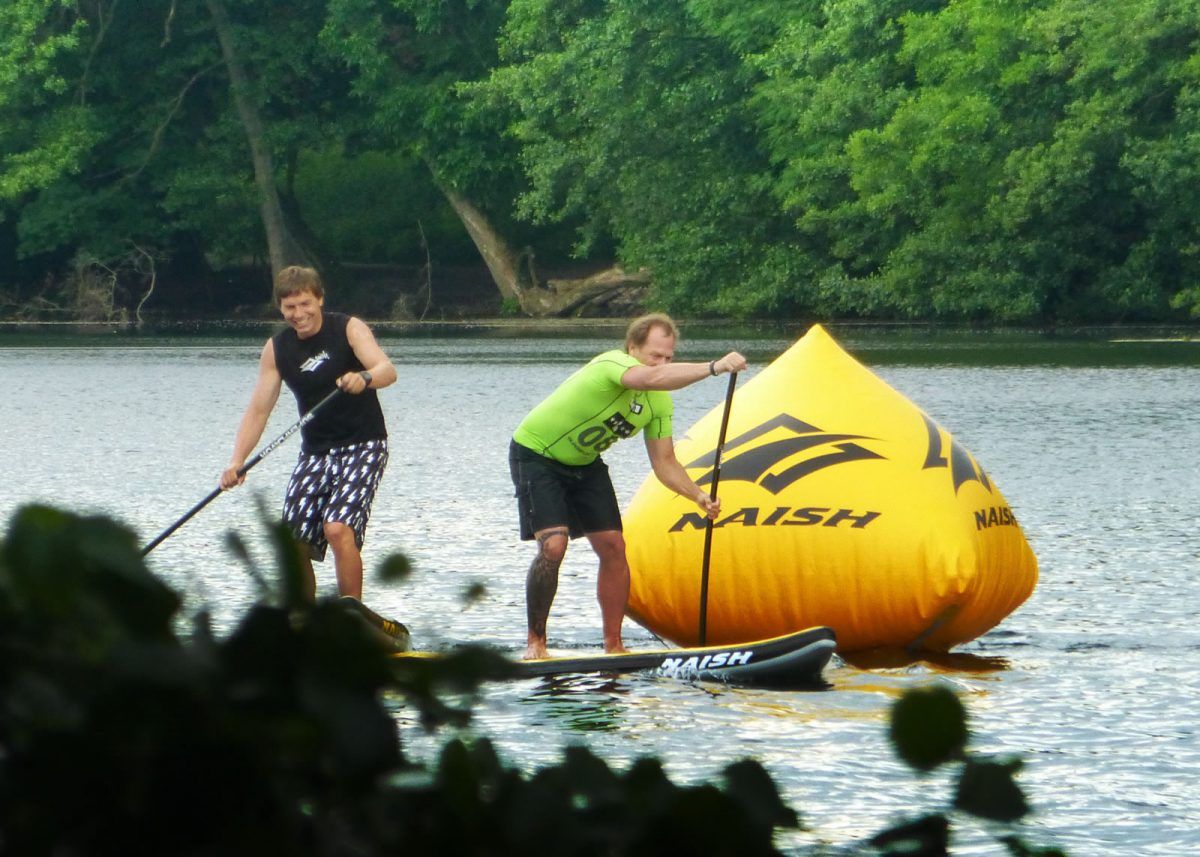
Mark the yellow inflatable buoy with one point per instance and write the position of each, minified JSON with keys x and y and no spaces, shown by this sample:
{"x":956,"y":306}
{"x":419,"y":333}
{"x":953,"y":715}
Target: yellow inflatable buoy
{"x":842,"y":504}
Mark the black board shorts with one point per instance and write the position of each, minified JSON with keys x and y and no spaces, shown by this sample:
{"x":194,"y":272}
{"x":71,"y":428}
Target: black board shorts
{"x":552,"y":494}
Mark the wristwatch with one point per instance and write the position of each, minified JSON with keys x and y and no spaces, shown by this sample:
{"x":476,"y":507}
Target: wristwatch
{"x":366,"y":376}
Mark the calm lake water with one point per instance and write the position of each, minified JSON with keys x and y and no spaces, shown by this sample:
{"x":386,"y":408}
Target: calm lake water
{"x":1093,"y":682}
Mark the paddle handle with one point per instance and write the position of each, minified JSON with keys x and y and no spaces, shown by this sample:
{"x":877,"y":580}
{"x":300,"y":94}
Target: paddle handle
{"x":708,"y":529}
{"x":243,"y":470}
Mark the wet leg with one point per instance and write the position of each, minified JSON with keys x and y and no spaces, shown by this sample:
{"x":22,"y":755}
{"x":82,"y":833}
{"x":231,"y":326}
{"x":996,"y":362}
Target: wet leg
{"x":612,"y":585}
{"x":308,"y":577}
{"x":347,"y":560}
{"x":540,"y":586}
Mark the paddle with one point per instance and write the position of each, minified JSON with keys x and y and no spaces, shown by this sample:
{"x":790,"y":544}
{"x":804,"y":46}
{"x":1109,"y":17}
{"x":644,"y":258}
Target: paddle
{"x":708,"y":530}
{"x":243,"y":470}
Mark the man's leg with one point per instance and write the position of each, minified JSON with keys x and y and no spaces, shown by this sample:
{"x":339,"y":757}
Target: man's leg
{"x":356,"y":473}
{"x":540,"y":586}
{"x":347,"y":559}
{"x":308,"y":577}
{"x":612,"y":585}
{"x":303,"y":504}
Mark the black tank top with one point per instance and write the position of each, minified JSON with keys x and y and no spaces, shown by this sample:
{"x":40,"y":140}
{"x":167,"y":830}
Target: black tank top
{"x":310,"y":367}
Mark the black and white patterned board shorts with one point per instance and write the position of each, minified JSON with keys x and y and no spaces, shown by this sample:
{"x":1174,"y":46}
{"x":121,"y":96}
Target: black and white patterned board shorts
{"x":334,"y":486}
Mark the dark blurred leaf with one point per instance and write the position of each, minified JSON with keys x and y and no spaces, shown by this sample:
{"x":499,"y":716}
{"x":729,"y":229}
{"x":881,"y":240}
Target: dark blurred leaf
{"x":987,"y":789}
{"x":749,"y":783}
{"x":929,"y":727}
{"x":422,"y":679}
{"x":592,"y":782}
{"x":473,"y":594}
{"x":81,"y":580}
{"x":395,"y":568}
{"x":647,"y":782}
{"x":928,"y":836}
{"x":1020,"y":848}
{"x":702,"y":820}
{"x":237,"y":546}
{"x":289,"y":558}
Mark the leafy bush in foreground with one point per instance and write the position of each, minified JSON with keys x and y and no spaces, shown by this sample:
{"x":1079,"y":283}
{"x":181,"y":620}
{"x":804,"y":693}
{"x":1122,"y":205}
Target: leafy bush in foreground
{"x":118,"y":737}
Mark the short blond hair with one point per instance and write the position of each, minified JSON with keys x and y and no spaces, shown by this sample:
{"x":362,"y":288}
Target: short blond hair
{"x":294,"y":279}
{"x":639,"y":329}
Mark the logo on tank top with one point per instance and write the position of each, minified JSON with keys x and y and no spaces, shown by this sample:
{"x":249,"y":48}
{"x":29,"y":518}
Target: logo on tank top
{"x":313,"y":363}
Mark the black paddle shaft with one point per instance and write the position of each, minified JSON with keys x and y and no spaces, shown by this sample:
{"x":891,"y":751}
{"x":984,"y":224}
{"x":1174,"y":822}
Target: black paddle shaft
{"x":708,"y":530}
{"x":243,"y":470}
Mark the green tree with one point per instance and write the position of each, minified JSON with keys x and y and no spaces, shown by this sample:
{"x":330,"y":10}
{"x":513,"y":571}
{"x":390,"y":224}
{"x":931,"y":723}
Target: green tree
{"x":414,"y":61}
{"x":827,"y":74}
{"x":1006,"y":161}
{"x":633,"y":121}
{"x":136,"y":125}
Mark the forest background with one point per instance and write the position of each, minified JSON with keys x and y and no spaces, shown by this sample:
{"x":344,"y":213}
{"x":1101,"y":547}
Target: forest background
{"x":1029,"y":161}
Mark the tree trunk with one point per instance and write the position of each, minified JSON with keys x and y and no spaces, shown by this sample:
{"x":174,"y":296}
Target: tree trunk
{"x":515,"y":278}
{"x":502,"y":262}
{"x":284,"y":250}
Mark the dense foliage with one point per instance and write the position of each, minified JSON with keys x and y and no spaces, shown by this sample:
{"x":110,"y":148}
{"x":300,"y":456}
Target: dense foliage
{"x":1027,"y":160}
{"x":120,"y":736}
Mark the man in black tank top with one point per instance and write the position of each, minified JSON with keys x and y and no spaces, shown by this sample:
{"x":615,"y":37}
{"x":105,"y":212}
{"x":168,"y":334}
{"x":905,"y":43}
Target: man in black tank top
{"x":344,"y":447}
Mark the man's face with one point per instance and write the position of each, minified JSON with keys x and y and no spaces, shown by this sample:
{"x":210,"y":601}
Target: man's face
{"x":658,"y":349}
{"x":302,"y":311}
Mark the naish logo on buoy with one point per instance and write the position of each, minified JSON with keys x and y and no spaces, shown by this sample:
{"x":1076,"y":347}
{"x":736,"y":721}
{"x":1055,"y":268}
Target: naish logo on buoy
{"x":757,"y":464}
{"x":963,"y":468}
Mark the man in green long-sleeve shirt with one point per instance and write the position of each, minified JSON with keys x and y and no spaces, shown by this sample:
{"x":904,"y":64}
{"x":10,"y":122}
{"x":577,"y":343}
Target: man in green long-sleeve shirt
{"x":562,"y":485}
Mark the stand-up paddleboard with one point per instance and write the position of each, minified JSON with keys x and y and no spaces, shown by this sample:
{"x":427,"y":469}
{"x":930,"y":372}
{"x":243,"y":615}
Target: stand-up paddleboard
{"x":390,"y":633}
{"x":793,"y":659}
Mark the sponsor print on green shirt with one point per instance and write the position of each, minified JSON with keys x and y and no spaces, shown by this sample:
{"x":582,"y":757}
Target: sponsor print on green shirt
{"x":590,"y":411}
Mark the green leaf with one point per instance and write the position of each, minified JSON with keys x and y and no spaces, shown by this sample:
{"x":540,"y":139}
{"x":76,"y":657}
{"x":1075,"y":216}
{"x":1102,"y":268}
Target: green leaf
{"x":928,"y":836}
{"x":929,"y":727}
{"x":987,"y":789}
{"x":473,"y":594}
{"x":394,"y":568}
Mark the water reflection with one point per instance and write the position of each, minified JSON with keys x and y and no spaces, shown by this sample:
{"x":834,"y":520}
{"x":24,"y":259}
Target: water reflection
{"x":1092,"y":682}
{"x":579,"y":703}
{"x":903,"y":659}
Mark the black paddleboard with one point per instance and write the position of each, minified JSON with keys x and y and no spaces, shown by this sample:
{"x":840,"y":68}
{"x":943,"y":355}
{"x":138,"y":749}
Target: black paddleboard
{"x":791,"y":659}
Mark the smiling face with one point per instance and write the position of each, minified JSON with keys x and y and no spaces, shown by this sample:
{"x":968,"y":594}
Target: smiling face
{"x":302,"y":311}
{"x":658,"y":349}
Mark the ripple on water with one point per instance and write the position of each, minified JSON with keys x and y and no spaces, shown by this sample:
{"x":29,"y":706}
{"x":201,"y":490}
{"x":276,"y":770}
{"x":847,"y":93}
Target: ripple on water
{"x":1092,"y":683}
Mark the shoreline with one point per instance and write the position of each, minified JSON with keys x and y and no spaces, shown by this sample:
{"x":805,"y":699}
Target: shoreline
{"x":692,"y":327}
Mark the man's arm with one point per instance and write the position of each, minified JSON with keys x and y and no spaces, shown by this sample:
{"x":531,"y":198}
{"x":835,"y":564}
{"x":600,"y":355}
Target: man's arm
{"x":673,"y":475}
{"x":370,"y":355}
{"x":254,"y":420}
{"x":675,"y":376}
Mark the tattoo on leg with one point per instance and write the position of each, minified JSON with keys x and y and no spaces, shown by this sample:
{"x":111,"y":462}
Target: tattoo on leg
{"x":540,"y":585}
{"x":546,"y":534}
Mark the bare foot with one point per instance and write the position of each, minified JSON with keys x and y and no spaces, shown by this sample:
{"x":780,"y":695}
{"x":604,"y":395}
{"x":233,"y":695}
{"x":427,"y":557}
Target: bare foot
{"x":618,"y":649}
{"x":535,"y":651}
